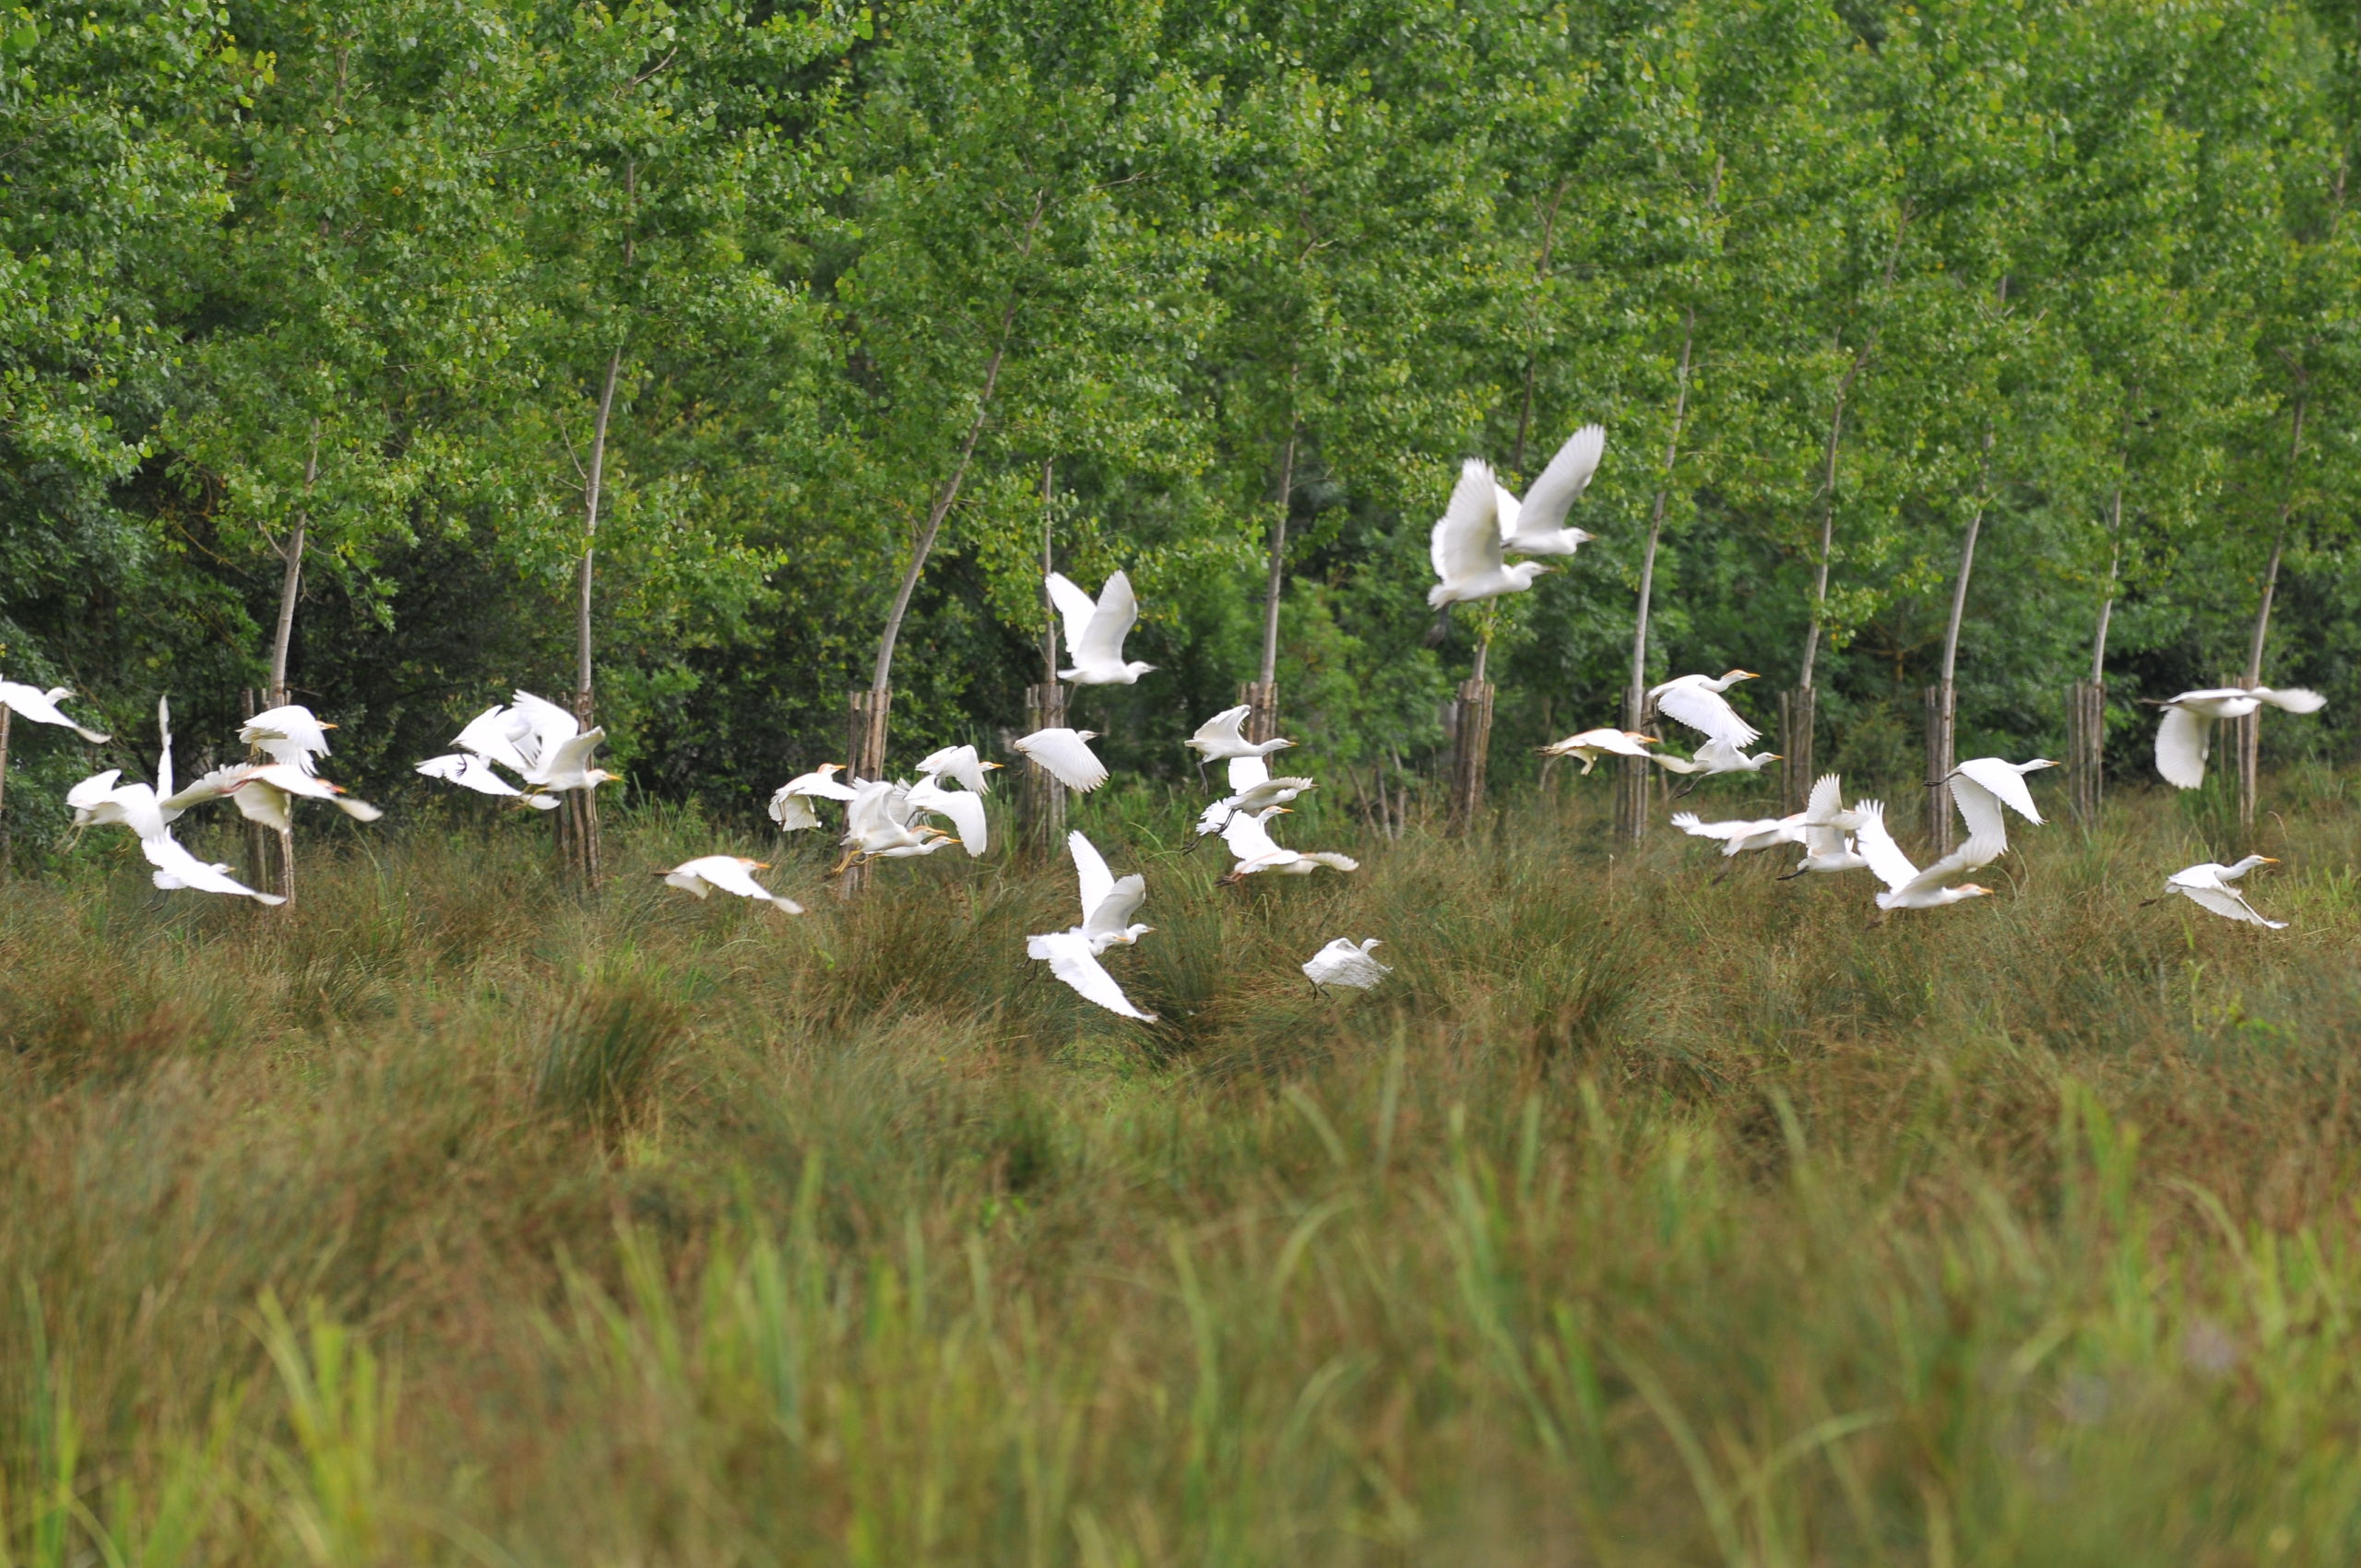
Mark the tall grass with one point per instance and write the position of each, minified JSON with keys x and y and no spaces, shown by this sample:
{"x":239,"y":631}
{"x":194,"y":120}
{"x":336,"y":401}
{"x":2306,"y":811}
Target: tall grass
{"x":1637,"y":1219}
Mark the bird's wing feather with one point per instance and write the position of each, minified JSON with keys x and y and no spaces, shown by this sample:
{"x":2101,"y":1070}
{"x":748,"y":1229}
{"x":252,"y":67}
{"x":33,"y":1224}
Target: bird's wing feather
{"x":794,"y":813}
{"x":175,"y":867}
{"x":2292,"y":699}
{"x":1875,"y":845}
{"x":573,"y":753}
{"x":1118,"y":609}
{"x":1466,"y":540}
{"x":547,"y":725}
{"x":1332,"y":859}
{"x":1708,"y":713}
{"x":1112,"y":916}
{"x":1245,"y":772}
{"x":1978,"y":807}
{"x":1827,"y":798}
{"x":1549,"y":498}
{"x":1225,"y":728}
{"x":2182,"y":741}
{"x":2226,"y":901}
{"x":1070,"y":960}
{"x":1980,"y":849}
{"x":1074,"y":608}
{"x":1067,"y":756}
{"x":2005,"y":782}
{"x":492,"y":734}
{"x":963,"y":810}
{"x":1248,"y":838}
{"x":1095,"y":881}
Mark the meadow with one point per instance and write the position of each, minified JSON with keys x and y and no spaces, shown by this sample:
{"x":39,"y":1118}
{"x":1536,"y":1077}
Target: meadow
{"x":1638,"y":1219}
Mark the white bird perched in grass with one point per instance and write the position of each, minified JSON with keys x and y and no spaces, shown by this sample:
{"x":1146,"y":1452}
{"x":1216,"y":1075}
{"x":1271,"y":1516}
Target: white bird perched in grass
{"x":1094,"y":631}
{"x":1697,"y":702}
{"x":879,"y":825}
{"x":175,"y":867}
{"x":1250,"y":847}
{"x":730,"y":874}
{"x":960,"y":763}
{"x":1067,"y":756}
{"x":1223,"y":736}
{"x":790,"y":804}
{"x":1072,"y":960}
{"x":493,"y":736}
{"x":1465,"y":549}
{"x":30,"y":701}
{"x":2185,"y":736}
{"x":557,"y":752}
{"x":1109,"y":902}
{"x":288,"y":734}
{"x":1252,"y":791}
{"x":963,"y":809}
{"x":1907,"y":887}
{"x":1981,"y":786}
{"x":1536,"y":526}
{"x":2208,"y":886}
{"x":262,"y":792}
{"x":1346,"y":964}
{"x":1592,"y":745}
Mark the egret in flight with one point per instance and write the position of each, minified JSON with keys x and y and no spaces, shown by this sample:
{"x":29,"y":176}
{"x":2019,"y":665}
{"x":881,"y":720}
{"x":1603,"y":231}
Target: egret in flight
{"x":557,"y":751}
{"x":1250,"y":847}
{"x":2208,"y":887}
{"x":175,"y":867}
{"x":1536,"y":526}
{"x":1981,"y":786}
{"x":1066,"y":756}
{"x":878,"y":827}
{"x":1252,"y":791}
{"x":1223,"y":736}
{"x":960,"y":763}
{"x":1346,"y":964}
{"x":1712,"y":757}
{"x":288,"y":734}
{"x":1094,"y":631}
{"x":1070,"y":958}
{"x":963,"y":809}
{"x":1907,"y":887}
{"x":30,"y":701}
{"x":1827,"y":847}
{"x":730,"y":874}
{"x":1109,"y":902}
{"x":1592,"y":745}
{"x":791,"y":806}
{"x":2186,"y":734}
{"x":494,"y":737}
{"x":1465,"y":549}
{"x":262,"y":791}
{"x":1697,"y":702}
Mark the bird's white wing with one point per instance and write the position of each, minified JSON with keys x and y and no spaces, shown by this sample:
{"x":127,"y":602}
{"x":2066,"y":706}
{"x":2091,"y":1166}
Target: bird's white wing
{"x":1708,"y":713}
{"x":1827,"y":798}
{"x":1112,"y":916}
{"x":1074,"y":608}
{"x":1090,"y":872}
{"x":1332,"y":859}
{"x":1875,"y":845}
{"x":731,"y":876}
{"x":1688,"y":823}
{"x":817,"y":785}
{"x":2226,"y":901}
{"x":1549,"y":498}
{"x":1979,"y":850}
{"x":1224,"y":728}
{"x":2292,"y":699}
{"x":41,"y":708}
{"x":546,"y":725}
{"x":962,"y":763}
{"x":1466,"y":540}
{"x":1069,"y":957}
{"x":963,"y":810}
{"x":492,"y":734}
{"x":794,"y":813}
{"x":2006,"y":784}
{"x":573,"y":754}
{"x":468,"y":770}
{"x":1110,"y":623}
{"x":1978,"y":807}
{"x":869,"y":811}
{"x":175,"y":867}
{"x":93,"y":790}
{"x":2182,"y":741}
{"x":1245,"y":772}
{"x":1067,"y":756}
{"x":1247,"y":837}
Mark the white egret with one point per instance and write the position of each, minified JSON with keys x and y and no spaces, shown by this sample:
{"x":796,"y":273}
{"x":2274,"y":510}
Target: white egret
{"x":1109,"y":902}
{"x":557,"y":751}
{"x":790,"y":804}
{"x":262,"y":792}
{"x":1697,"y":702}
{"x":30,"y":701}
{"x":288,"y":734}
{"x":730,"y":874}
{"x":1712,"y":757}
{"x":1067,"y":756}
{"x":495,"y":736}
{"x":1344,"y":963}
{"x":470,"y":771}
{"x":1465,"y":548}
{"x":1094,"y":631}
{"x":1071,"y":959}
{"x":1223,"y":736}
{"x":1828,"y":848}
{"x":2208,"y":886}
{"x":963,"y":809}
{"x":1252,"y":791}
{"x":175,"y":867}
{"x":1907,"y":887}
{"x":1252,"y":848}
{"x":1737,"y":837}
{"x":878,"y":825}
{"x":98,"y":800}
{"x":960,"y":763}
{"x":2185,"y":736}
{"x":1536,"y":526}
{"x":1981,"y":786}
{"x":1592,"y":745}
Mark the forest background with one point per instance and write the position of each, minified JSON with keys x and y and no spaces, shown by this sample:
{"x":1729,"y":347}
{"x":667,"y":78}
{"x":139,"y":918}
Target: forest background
{"x":436,"y":286}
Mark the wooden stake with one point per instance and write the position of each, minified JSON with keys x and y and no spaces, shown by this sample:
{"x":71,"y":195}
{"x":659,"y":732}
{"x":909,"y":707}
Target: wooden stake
{"x":1798,"y":713}
{"x":1471,"y":742}
{"x":1941,"y":712}
{"x":1041,"y":797}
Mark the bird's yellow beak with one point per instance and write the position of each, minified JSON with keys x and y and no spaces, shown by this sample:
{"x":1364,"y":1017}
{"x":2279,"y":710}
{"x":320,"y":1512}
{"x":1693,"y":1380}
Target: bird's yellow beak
{"x":2270,"y":859}
{"x":327,"y":726}
{"x":1644,"y":739}
{"x":993,"y":764}
{"x":760,"y":865}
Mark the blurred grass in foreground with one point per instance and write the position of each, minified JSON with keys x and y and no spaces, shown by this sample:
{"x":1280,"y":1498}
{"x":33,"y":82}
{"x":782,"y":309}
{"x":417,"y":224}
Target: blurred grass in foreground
{"x":1638,"y":1221}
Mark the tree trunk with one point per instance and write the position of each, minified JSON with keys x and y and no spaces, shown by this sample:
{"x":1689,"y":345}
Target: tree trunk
{"x":1632,"y":801}
{"x":276,"y":866}
{"x":866,"y":713}
{"x":1042,"y":796}
{"x":1941,"y":712}
{"x":578,"y":813}
{"x":1262,"y":701}
{"x":2249,"y":730}
{"x":1799,"y":715}
{"x":1472,"y":732}
{"x":4,"y":716}
{"x":2085,"y":749}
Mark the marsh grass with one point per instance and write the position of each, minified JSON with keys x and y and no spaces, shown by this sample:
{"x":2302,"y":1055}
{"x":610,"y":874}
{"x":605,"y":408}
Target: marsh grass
{"x":1637,"y":1219}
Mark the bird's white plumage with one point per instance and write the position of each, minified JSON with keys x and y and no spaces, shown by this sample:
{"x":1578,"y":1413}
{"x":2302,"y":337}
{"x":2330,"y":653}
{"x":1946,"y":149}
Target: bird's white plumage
{"x":1697,"y":702}
{"x":730,"y":874}
{"x":31,"y":702}
{"x":469,"y":770}
{"x":1906,"y":886}
{"x":790,"y":804}
{"x":1345,"y":963}
{"x":1536,"y":526}
{"x":959,"y":762}
{"x":1070,"y":958}
{"x":2183,"y":740}
{"x":177,"y":868}
{"x":1224,"y":736}
{"x":1067,"y":755}
{"x":2184,"y":735}
{"x":262,"y":791}
{"x":963,"y":809}
{"x":1592,"y":745}
{"x":1465,"y":545}
{"x":1253,"y":849}
{"x":2208,"y":885}
{"x":291,"y":735}
{"x":1090,"y":871}
{"x":1095,"y":631}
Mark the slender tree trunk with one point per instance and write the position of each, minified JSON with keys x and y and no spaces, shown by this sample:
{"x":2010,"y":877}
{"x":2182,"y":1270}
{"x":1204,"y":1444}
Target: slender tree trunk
{"x":1828,"y":514}
{"x":2249,"y":729}
{"x":1631,"y":800}
{"x":1532,"y":352}
{"x":1048,"y":564}
{"x":577,"y":815}
{"x":2107,"y":600}
{"x":1261,"y":696}
{"x":280,"y":854}
{"x":1943,"y":698}
{"x":4,"y":716}
{"x":1041,"y":797}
